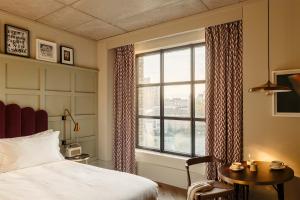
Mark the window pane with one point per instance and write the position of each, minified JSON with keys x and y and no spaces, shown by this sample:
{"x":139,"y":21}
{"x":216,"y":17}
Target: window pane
{"x":200,"y":63}
{"x":149,"y":68}
{"x":200,"y":100}
{"x":177,"y":65}
{"x":178,"y":136}
{"x":149,"y":101}
{"x":177,"y":100}
{"x":149,"y":133}
{"x":200,"y":138}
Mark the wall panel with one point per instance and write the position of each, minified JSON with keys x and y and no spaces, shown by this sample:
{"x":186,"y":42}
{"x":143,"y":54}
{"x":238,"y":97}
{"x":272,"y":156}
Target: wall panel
{"x":20,"y":75}
{"x":55,"y":105}
{"x":24,"y":100}
{"x":85,"y":105}
{"x":58,"y":125}
{"x":87,"y":126}
{"x":58,"y":79}
{"x":85,"y":81}
{"x":89,"y":145}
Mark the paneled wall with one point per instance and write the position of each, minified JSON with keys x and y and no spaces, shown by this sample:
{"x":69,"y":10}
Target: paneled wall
{"x":54,"y":87}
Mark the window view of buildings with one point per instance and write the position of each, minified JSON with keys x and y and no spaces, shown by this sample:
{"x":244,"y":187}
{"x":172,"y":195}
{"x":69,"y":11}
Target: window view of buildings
{"x":171,"y":99}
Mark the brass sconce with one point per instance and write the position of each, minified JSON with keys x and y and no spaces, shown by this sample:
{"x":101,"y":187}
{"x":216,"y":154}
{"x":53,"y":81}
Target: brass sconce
{"x":76,"y":124}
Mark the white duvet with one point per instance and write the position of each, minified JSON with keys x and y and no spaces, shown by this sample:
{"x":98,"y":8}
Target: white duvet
{"x":66,"y":180}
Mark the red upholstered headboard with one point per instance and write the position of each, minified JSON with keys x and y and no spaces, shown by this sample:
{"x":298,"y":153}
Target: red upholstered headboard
{"x":16,"y":121}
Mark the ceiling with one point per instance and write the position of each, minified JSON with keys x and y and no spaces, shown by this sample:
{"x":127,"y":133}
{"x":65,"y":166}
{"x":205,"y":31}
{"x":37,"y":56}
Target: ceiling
{"x":98,"y":19}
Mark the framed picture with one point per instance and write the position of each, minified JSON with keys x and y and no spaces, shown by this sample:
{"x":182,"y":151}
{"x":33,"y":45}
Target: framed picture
{"x":287,"y":104}
{"x":16,"y":41}
{"x":46,"y":50}
{"x":66,"y":55}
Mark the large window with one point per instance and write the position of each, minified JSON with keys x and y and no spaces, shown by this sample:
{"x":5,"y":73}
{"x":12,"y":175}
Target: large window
{"x":170,"y":99}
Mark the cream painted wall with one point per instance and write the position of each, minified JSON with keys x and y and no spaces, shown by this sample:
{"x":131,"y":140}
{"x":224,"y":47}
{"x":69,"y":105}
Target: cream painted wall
{"x":85,"y":49}
{"x":268,"y":137}
{"x":186,"y":38}
{"x":265,"y":137}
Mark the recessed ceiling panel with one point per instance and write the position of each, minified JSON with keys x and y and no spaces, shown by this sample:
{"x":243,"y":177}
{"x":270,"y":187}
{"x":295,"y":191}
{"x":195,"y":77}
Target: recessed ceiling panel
{"x":96,"y":30}
{"x":67,"y":2}
{"x":32,"y":9}
{"x":162,"y":14}
{"x":66,"y":18}
{"x":212,"y":4}
{"x":113,"y":10}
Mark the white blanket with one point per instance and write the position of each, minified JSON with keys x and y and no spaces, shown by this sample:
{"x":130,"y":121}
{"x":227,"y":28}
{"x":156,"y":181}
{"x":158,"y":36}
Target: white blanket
{"x":66,"y":180}
{"x":199,"y":187}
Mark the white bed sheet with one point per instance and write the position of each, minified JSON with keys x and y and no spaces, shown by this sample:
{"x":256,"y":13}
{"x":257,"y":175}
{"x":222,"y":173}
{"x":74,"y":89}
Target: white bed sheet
{"x":67,"y":180}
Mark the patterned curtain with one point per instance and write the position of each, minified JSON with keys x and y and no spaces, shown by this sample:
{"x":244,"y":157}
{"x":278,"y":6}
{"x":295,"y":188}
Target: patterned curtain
{"x":124,"y":110}
{"x":224,"y":93}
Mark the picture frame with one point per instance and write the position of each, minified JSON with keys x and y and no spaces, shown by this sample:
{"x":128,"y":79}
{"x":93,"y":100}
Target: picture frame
{"x":287,"y":104}
{"x":46,"y":50}
{"x":17,"y":41}
{"x":66,"y":55}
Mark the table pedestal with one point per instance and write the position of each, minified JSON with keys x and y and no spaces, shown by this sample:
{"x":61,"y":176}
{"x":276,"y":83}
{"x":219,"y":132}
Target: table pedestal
{"x":241,"y":190}
{"x":280,"y":191}
{"x":244,"y":191}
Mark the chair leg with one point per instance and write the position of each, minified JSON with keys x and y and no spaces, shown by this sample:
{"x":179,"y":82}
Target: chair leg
{"x":236,"y":191}
{"x":243,"y":191}
{"x":247,"y":192}
{"x":230,"y":196}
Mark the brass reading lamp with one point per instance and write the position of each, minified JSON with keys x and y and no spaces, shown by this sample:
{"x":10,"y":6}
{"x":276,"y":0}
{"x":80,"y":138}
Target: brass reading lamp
{"x":76,"y":125}
{"x":270,"y":87}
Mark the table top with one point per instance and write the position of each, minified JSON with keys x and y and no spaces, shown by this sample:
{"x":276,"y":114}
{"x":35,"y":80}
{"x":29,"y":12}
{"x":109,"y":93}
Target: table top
{"x":81,"y":157}
{"x":263,"y":176}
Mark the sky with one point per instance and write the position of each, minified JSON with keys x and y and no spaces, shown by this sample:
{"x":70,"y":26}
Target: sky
{"x":177,"y":68}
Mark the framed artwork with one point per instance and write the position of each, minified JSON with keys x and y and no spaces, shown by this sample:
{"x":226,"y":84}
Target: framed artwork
{"x":17,"y":41}
{"x":287,"y":104}
{"x":66,"y":55}
{"x":46,"y":50}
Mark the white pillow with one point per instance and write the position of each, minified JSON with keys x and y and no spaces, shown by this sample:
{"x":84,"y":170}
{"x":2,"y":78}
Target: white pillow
{"x":23,"y":152}
{"x":43,"y":133}
{"x":47,"y":132}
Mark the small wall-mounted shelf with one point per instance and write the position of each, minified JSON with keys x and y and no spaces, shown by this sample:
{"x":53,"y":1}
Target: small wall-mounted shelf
{"x":48,"y":63}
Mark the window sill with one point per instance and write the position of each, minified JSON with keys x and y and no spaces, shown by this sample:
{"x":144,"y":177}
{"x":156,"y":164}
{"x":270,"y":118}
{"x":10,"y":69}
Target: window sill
{"x":166,"y":155}
{"x":147,"y":157}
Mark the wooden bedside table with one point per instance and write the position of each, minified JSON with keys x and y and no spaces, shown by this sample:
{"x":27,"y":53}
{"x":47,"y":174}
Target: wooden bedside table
{"x":80,"y":158}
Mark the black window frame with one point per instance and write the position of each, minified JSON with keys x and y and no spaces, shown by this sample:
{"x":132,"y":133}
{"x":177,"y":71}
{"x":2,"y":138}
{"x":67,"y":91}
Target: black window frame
{"x":161,"y":85}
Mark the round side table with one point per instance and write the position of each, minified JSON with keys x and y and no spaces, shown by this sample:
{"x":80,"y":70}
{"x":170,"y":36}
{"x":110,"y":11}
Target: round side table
{"x":80,"y":158}
{"x":263,"y":176}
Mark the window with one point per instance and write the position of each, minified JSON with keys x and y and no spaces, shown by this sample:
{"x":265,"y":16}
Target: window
{"x":171,"y":101}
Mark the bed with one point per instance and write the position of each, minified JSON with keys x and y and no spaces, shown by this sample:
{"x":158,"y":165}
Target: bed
{"x":62,"y":179}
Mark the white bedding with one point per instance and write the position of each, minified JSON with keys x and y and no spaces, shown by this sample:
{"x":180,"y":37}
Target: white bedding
{"x":67,"y":180}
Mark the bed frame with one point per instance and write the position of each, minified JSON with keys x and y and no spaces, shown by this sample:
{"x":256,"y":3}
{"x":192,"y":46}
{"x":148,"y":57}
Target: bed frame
{"x":16,"y":121}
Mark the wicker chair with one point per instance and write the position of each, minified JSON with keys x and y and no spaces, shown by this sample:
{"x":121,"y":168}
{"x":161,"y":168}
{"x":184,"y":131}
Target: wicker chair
{"x":220,"y":189}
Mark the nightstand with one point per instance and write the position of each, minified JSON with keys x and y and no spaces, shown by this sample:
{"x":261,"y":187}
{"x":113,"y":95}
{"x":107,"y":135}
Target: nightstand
{"x":80,"y":158}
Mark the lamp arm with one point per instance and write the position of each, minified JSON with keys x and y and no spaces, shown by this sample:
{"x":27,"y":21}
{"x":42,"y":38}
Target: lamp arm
{"x":69,"y":114}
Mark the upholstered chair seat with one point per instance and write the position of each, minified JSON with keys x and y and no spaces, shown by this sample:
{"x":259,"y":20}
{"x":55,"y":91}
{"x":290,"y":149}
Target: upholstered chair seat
{"x":218,"y":189}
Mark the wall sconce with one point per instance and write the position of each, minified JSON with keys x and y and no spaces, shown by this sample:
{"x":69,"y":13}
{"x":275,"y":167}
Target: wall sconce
{"x":76,"y":125}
